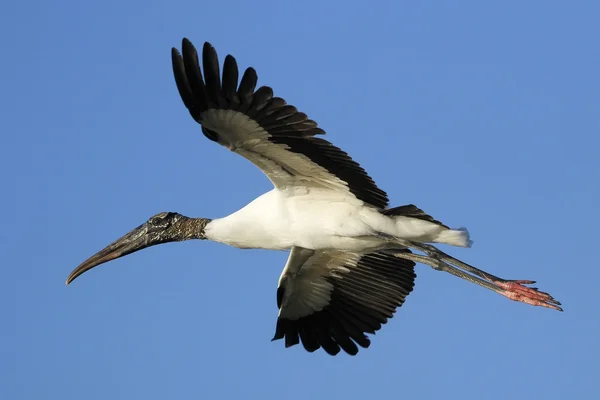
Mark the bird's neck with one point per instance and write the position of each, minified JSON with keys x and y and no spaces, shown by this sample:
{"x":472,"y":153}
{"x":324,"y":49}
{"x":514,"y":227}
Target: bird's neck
{"x":193,"y":228}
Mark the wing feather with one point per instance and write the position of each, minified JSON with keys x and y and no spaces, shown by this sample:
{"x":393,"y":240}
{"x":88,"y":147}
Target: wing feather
{"x":230,"y":82}
{"x":332,"y":299}
{"x":272,"y":134}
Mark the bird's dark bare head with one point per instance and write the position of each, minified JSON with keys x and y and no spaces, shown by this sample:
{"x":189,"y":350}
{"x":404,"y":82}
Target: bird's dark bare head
{"x":166,"y":227}
{"x":160,"y":228}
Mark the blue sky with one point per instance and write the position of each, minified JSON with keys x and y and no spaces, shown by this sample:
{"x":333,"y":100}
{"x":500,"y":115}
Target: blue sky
{"x":484,"y":114}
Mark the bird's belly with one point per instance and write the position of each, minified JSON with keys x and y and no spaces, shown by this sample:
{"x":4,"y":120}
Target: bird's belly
{"x":276,"y":222}
{"x":331,"y":225}
{"x":322,"y":242}
{"x":250,"y":236}
{"x":309,"y":233}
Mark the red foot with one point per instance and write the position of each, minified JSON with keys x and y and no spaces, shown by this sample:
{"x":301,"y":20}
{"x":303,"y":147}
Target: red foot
{"x":515,"y":290}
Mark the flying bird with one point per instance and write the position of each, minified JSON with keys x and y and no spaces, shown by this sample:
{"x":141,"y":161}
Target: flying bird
{"x":350,"y":263}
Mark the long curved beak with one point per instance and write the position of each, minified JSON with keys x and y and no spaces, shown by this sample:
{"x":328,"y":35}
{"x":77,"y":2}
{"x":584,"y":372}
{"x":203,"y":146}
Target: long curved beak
{"x":135,"y":240}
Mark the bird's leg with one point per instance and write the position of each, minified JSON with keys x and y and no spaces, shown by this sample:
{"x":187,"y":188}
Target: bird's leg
{"x":512,"y":289}
{"x":441,"y":266}
{"x":536,"y":299}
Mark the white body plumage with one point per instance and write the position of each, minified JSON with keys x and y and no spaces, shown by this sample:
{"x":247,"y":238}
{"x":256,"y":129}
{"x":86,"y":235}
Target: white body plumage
{"x":319,"y":219}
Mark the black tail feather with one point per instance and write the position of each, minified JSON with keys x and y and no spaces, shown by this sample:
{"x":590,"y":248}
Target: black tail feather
{"x":412,"y":211}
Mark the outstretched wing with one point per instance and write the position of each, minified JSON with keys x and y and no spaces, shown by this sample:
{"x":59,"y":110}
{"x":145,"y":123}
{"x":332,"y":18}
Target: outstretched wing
{"x":331,"y":299}
{"x":264,"y":129}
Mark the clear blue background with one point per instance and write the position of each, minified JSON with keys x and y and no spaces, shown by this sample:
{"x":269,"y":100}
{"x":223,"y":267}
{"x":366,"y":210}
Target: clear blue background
{"x":485,"y":114}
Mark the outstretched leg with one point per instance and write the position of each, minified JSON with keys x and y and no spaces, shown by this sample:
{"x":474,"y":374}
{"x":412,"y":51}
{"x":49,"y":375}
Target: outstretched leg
{"x":512,"y":289}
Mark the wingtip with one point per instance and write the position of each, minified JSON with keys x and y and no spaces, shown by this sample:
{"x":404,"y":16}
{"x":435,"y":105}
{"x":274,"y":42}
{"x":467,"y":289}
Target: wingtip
{"x":187,"y":47}
{"x":252,"y":71}
{"x":188,"y":43}
{"x":210,"y":53}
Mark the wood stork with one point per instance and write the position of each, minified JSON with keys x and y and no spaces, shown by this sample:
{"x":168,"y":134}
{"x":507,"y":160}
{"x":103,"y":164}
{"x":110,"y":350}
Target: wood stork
{"x":350,"y":265}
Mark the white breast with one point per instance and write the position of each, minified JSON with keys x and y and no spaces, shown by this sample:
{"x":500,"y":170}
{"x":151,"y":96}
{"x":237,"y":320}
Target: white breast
{"x":310,"y":218}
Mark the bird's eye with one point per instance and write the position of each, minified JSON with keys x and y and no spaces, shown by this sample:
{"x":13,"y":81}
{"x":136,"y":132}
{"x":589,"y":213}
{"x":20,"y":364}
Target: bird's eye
{"x":154,"y":221}
{"x":160,"y":220}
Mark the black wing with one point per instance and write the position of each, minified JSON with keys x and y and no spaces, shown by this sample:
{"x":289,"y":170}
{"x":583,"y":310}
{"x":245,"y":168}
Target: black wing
{"x":333,"y":299}
{"x":275,"y":136}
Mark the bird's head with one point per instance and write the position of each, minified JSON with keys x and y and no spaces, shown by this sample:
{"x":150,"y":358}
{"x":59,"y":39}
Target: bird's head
{"x":160,"y":228}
